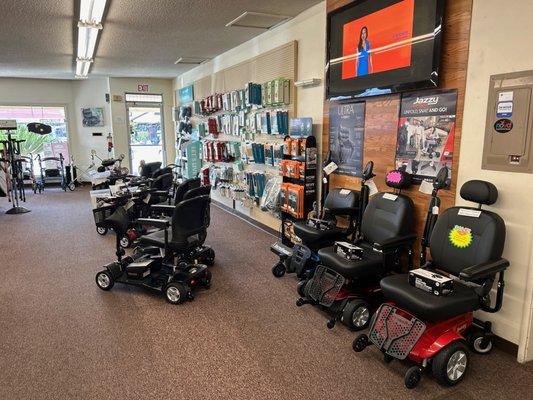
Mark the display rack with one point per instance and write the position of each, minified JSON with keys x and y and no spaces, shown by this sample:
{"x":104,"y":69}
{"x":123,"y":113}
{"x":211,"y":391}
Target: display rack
{"x":308,"y":180}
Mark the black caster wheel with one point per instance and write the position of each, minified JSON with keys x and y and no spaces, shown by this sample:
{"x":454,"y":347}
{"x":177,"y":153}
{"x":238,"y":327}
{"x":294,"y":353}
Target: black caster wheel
{"x":360,"y":343}
{"x":479,"y":342}
{"x":279,"y":270}
{"x":356,"y":315}
{"x":387,"y":359}
{"x":301,"y":288}
{"x":175,"y":293}
{"x":450,"y":364}
{"x":210,"y":258}
{"x":190,"y":296}
{"x":125,"y":242}
{"x":206,"y":282}
{"x":104,"y":280}
{"x":101,"y":230}
{"x":300,"y":302}
{"x":71,"y":186}
{"x":412,"y":377}
{"x":330,"y":324}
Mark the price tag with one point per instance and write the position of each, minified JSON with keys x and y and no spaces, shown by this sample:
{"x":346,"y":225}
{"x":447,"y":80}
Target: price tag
{"x":435,"y":210}
{"x":426,"y":187}
{"x":373,"y":189}
{"x":345,"y":192}
{"x":328,"y":169}
{"x":467,"y":212}
{"x":390,"y":196}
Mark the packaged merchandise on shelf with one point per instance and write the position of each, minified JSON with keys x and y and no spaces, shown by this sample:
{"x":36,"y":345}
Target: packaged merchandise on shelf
{"x":212,"y":126}
{"x":269,"y":199}
{"x":295,"y":199}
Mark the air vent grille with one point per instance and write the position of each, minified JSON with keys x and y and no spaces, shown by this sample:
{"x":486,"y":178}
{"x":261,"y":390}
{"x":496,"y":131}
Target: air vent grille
{"x":250,"y":19}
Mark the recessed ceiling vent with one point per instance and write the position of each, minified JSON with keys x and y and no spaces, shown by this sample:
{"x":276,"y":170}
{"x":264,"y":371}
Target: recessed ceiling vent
{"x":191,"y":60}
{"x":250,"y":19}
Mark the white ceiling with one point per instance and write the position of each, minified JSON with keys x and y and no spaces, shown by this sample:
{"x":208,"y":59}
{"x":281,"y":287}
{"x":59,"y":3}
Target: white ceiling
{"x":140,"y":38}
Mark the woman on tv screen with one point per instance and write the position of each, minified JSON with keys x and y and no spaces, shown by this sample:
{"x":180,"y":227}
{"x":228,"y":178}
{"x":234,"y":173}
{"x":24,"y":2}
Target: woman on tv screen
{"x":364,"y":62}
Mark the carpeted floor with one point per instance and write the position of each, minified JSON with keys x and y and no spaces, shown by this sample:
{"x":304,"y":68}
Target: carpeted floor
{"x":63,"y":338}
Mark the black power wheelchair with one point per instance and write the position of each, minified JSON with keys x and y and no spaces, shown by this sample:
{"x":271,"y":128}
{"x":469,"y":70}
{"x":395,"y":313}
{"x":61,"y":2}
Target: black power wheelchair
{"x":167,"y":260}
{"x":435,"y":331}
{"x":348,"y":289}
{"x":323,"y":230}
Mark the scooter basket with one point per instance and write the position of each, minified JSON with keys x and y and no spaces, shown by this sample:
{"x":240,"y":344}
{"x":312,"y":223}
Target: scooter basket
{"x":325,"y":286}
{"x":395,"y":332}
{"x":101,"y":213}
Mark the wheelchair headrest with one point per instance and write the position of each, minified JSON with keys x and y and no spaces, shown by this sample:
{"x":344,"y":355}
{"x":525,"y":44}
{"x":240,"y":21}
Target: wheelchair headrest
{"x":39,"y":129}
{"x":398,"y":179}
{"x":196,"y":192}
{"x":481,"y":192}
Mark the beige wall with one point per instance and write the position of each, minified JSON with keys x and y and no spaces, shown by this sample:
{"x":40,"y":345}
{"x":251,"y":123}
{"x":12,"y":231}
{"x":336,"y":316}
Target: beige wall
{"x":501,"y":43}
{"x":309,"y":29}
{"x":120,"y":86}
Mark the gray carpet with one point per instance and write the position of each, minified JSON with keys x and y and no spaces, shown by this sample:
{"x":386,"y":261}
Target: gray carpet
{"x":63,"y":338}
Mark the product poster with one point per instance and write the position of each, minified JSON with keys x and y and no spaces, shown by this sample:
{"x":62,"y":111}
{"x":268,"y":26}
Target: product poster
{"x":426,"y":133}
{"x":92,"y":116}
{"x":346,"y":137}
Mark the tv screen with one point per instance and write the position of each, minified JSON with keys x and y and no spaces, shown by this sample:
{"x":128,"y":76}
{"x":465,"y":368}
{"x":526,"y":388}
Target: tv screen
{"x":383,"y":46}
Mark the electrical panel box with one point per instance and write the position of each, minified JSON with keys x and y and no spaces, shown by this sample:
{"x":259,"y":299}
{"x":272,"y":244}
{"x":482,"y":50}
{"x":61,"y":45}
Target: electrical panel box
{"x":509,"y":128}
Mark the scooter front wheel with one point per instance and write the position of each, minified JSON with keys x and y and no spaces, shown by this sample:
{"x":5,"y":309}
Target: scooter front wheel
{"x":104,"y":280}
{"x":279,"y":270}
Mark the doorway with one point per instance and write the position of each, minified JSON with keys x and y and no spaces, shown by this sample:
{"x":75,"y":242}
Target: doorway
{"x":146,"y":129}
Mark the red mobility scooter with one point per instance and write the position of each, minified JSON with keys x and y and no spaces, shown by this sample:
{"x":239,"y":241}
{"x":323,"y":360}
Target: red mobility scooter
{"x":432,"y":328}
{"x":348,"y":287}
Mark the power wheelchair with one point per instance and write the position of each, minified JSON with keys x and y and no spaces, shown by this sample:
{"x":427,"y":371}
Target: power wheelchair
{"x":348,"y":289}
{"x":434,"y":331}
{"x":167,"y":260}
{"x":323,"y":231}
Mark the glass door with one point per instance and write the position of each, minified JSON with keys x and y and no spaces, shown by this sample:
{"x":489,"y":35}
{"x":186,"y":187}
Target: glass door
{"x":145,"y":125}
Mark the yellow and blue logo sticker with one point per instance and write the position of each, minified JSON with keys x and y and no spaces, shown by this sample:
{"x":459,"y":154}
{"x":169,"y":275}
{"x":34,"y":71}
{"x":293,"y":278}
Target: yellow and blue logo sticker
{"x":460,"y":236}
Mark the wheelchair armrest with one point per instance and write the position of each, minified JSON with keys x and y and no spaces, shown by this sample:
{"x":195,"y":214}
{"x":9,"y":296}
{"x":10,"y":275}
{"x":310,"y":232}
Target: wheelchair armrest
{"x":483,"y":270}
{"x":394,"y":243}
{"x":160,"y":193}
{"x":163,"y":209}
{"x":157,"y":223}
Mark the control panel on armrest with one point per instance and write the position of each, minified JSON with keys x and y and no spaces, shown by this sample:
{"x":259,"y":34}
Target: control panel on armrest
{"x":484,"y":270}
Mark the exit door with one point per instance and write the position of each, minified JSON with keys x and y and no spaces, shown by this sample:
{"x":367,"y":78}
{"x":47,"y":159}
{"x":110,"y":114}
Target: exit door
{"x":146,"y":133}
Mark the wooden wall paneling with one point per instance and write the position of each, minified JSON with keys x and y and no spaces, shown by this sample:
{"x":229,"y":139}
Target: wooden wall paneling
{"x":382,"y":113}
{"x":202,"y":87}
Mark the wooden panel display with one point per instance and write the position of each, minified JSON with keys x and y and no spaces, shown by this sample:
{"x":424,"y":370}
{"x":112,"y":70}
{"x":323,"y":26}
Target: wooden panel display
{"x":381,"y":122}
{"x":202,"y":87}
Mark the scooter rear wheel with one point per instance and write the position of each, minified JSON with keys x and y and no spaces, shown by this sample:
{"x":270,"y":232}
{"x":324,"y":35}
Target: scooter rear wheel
{"x":175,"y":293}
{"x":450,"y":364}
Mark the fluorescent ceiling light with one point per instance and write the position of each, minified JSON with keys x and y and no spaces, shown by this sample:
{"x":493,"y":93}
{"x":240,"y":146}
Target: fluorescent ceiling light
{"x":82,"y":67}
{"x":86,"y":41}
{"x":92,"y":10}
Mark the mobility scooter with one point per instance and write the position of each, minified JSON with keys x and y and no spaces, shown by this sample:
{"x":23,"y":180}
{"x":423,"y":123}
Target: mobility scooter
{"x":322,"y":231}
{"x":169,"y":261}
{"x":434,"y":328}
{"x":346,"y":285}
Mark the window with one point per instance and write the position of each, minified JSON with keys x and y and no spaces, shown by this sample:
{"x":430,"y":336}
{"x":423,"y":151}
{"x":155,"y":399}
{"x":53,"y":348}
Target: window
{"x":47,"y":146}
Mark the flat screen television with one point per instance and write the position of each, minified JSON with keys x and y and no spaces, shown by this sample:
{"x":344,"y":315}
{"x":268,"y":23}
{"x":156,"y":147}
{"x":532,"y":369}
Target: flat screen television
{"x":383,"y":46}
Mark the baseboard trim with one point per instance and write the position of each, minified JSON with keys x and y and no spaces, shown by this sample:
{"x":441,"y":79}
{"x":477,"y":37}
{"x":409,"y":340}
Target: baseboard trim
{"x":506,"y":346}
{"x":246,"y":218}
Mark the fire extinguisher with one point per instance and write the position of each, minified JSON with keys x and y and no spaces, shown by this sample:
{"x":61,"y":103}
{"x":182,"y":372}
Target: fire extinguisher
{"x":109,"y":144}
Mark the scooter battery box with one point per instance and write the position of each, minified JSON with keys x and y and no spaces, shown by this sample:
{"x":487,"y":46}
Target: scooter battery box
{"x":431,"y":282}
{"x":348,"y":250}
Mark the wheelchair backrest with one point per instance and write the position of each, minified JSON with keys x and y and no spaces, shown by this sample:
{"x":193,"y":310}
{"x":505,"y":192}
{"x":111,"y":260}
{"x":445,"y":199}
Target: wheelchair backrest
{"x":466,"y":236}
{"x":190,"y":217}
{"x":198,"y":191}
{"x":149,"y":168}
{"x":184,"y":187}
{"x":161,"y":171}
{"x":163,"y":182}
{"x":342,"y":202}
{"x":387,"y":216}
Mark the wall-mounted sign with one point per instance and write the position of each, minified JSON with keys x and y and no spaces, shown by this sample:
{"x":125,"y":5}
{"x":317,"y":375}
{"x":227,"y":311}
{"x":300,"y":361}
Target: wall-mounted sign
{"x":503,"y":125}
{"x":142,"y":88}
{"x":186,"y":94}
{"x":346,"y":137}
{"x":426,"y":133}
{"x":118,"y":97}
{"x":504,"y":109}
{"x":92,"y":116}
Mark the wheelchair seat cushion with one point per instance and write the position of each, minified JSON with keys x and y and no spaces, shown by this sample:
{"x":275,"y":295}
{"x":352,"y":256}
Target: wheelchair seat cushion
{"x":371,"y":263}
{"x":427,"y":306}
{"x":157,"y":238}
{"x":312,"y":237}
